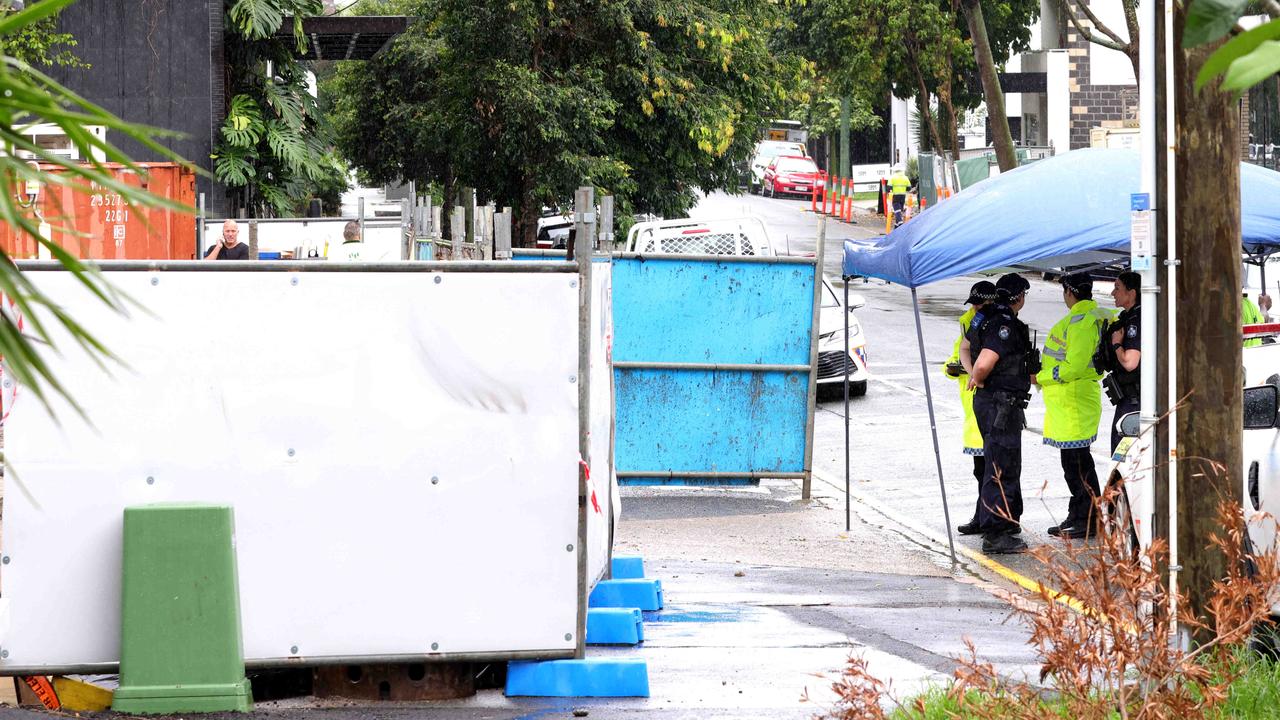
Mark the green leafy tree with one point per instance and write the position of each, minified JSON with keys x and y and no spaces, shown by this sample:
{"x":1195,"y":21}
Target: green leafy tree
{"x":39,"y":43}
{"x":920,"y":48}
{"x":30,"y":97}
{"x":273,"y":152}
{"x":650,"y":100}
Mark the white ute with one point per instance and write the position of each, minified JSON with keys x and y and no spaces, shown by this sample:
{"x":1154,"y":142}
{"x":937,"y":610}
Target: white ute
{"x":747,"y":237}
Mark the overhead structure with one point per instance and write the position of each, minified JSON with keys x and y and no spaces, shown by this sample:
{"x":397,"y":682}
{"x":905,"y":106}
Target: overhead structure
{"x":1072,"y":209}
{"x":1066,"y":211}
{"x":341,"y":37}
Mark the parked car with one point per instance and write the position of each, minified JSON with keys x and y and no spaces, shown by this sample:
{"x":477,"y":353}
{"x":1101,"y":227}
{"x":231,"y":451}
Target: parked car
{"x":1259,"y":489}
{"x":765,"y":152}
{"x":553,"y":229}
{"x":835,"y":350}
{"x":790,"y":175}
{"x":748,"y":236}
{"x":686,"y":236}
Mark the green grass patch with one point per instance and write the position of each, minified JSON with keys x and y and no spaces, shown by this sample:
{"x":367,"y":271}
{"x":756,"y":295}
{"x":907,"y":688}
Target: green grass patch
{"x":1254,"y":696}
{"x":869,"y":195}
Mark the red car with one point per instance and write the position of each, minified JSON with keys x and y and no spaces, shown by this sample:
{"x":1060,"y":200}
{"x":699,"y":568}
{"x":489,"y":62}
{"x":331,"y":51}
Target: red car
{"x":790,"y":175}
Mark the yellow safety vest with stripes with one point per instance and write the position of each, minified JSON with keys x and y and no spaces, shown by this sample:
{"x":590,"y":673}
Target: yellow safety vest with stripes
{"x":1068,"y":378}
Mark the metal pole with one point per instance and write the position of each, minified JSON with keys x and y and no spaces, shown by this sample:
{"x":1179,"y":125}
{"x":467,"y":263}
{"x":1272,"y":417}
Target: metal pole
{"x":606,"y":224}
{"x":502,"y":235}
{"x":806,"y":489}
{"x":933,"y":425}
{"x":406,"y":229}
{"x":201,"y":219}
{"x":848,"y":513}
{"x":585,"y":227}
{"x":360,"y":215}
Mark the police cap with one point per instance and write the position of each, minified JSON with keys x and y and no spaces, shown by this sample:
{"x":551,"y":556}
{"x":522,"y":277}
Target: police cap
{"x":1078,"y":283}
{"x":1011,"y":285}
{"x":982,"y":292}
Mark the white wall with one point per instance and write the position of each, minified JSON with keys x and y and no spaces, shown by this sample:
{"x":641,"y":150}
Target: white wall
{"x":1110,"y":67}
{"x":1057,"y":120}
{"x":904,"y":144}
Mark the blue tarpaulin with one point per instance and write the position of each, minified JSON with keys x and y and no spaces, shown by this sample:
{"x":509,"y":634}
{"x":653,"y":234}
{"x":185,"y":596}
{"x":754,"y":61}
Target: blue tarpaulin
{"x":1067,"y":205}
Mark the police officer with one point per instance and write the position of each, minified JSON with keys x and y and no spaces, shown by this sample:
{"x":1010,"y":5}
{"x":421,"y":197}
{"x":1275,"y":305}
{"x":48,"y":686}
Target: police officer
{"x":1073,"y":399}
{"x":959,"y":366}
{"x":1003,"y":363}
{"x":1122,"y":351}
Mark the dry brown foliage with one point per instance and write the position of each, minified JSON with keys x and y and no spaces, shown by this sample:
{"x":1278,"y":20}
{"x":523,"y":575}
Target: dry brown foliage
{"x":1104,"y":639}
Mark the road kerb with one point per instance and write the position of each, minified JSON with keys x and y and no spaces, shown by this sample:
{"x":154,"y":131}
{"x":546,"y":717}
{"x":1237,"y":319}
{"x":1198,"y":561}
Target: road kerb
{"x":940,"y":540}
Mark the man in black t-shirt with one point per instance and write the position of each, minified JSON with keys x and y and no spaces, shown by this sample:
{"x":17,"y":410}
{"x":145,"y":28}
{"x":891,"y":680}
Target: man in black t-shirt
{"x":229,"y":247}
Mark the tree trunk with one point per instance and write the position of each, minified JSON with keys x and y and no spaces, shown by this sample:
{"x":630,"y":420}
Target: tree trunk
{"x":1210,"y":425}
{"x":1000,"y":135}
{"x":953,"y":127}
{"x":530,"y":211}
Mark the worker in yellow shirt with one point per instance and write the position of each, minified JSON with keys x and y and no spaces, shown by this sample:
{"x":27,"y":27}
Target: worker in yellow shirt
{"x":899,"y":186}
{"x":1250,"y":315}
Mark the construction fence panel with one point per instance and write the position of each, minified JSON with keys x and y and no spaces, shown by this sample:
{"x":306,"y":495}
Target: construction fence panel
{"x":604,"y":502}
{"x":400,"y":449}
{"x":712,"y":368}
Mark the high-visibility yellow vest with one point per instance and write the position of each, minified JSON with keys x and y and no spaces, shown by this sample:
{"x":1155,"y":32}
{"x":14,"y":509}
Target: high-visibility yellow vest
{"x":1068,"y":378}
{"x":899,"y":184}
{"x":972,"y":435}
{"x":1250,"y":315}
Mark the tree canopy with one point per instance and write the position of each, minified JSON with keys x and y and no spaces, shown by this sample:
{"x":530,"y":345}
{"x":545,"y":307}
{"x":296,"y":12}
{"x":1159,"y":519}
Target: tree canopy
{"x":650,"y":100}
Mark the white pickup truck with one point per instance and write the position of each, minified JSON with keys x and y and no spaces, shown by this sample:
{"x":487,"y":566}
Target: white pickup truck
{"x":747,"y":236}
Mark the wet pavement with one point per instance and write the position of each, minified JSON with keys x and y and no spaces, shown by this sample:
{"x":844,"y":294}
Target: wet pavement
{"x":766,"y":591}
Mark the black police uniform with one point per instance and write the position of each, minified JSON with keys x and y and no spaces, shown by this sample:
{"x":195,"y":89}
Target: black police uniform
{"x":998,"y":406}
{"x":1123,"y":385}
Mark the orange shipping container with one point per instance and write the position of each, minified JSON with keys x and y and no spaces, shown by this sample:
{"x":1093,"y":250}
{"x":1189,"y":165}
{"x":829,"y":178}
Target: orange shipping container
{"x":105,"y":228}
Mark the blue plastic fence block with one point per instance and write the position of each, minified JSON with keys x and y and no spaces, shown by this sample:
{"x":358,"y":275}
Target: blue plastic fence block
{"x":590,"y":677}
{"x":634,"y":593}
{"x":614,"y":626}
{"x":628,"y":567}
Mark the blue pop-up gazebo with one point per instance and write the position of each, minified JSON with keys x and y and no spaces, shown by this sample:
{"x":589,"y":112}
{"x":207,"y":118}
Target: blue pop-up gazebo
{"x":1068,"y":210}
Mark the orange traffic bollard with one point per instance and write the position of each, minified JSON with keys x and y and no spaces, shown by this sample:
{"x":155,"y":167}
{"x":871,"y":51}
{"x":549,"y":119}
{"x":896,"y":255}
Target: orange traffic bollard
{"x":848,"y":203}
{"x":813,"y":196}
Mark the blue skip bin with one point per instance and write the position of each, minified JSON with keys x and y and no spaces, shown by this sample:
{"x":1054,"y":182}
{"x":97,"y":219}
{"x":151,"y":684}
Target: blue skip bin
{"x":627,"y":567}
{"x":632,"y":593}
{"x":614,"y":626}
{"x":590,"y":677}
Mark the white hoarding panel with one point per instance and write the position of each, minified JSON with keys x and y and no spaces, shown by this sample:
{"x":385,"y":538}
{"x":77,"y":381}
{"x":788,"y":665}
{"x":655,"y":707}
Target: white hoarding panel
{"x":603,"y":502}
{"x":401,"y":450}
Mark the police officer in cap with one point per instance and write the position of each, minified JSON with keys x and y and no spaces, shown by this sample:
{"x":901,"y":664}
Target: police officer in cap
{"x":1122,"y":351}
{"x":1003,"y":363}
{"x":1073,"y":399}
{"x":959,"y":366}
